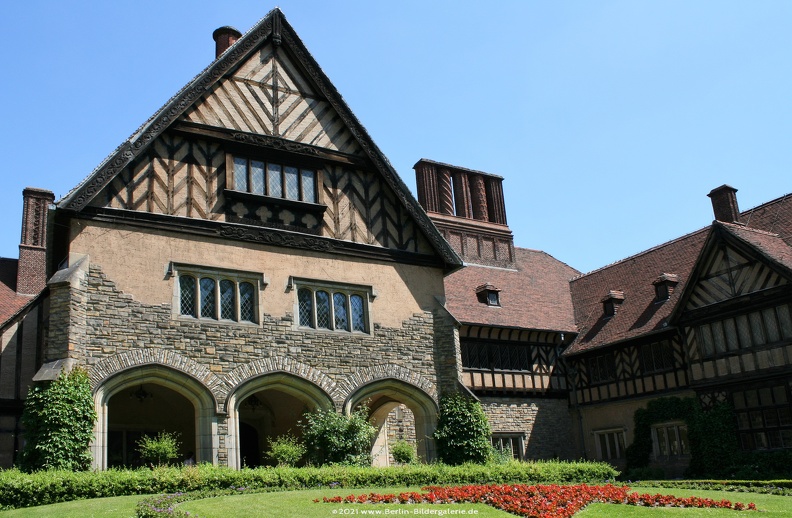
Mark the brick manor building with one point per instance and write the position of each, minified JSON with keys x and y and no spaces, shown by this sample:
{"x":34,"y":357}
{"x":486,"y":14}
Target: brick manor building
{"x":248,"y":255}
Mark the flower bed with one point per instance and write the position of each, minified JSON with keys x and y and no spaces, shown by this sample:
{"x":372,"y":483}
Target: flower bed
{"x":545,"y":501}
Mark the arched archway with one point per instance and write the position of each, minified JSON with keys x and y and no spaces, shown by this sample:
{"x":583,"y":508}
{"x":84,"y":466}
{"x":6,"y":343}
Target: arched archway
{"x":149,"y":399}
{"x":265,"y":407}
{"x":384,"y":398}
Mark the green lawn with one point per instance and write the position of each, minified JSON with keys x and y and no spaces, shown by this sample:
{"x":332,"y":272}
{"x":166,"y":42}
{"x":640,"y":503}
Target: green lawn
{"x":300,"y":503}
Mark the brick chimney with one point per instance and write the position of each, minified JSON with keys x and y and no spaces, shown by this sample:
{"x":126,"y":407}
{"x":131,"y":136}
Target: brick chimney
{"x":724,"y":204}
{"x":467,"y":207}
{"x":224,"y":37}
{"x":32,"y":269}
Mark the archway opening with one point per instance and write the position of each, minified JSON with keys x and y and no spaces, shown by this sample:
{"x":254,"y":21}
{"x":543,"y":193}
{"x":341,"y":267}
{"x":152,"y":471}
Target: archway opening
{"x":269,"y":407}
{"x":147,"y":409}
{"x":399,"y":411}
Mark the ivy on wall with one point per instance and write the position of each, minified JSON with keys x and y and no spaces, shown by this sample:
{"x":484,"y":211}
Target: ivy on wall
{"x":713,"y":442}
{"x":59,"y":419}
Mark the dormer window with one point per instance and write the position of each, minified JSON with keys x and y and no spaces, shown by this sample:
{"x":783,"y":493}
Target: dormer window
{"x":611,"y":302}
{"x":488,"y":294}
{"x":664,"y":286}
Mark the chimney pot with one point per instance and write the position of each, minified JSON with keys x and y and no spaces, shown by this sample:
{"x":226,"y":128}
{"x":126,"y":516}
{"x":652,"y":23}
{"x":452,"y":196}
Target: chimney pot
{"x":32,"y":268}
{"x":724,"y":204}
{"x":224,"y":37}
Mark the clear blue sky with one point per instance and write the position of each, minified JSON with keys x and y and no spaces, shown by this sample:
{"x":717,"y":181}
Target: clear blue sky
{"x":609,"y":120}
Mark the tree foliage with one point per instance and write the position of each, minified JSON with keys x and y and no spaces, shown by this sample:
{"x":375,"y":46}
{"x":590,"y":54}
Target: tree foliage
{"x":463,"y":431}
{"x":333,"y":438}
{"x":59,"y":419}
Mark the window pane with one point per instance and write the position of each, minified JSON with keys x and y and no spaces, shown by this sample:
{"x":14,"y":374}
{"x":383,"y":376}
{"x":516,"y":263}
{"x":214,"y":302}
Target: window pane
{"x":614,"y":451}
{"x":743,"y":421}
{"x":672,"y":440}
{"x":227,"y":300}
{"x":274,"y":182}
{"x":771,"y":324}
{"x":620,"y":437}
{"x":308,"y":185}
{"x":358,"y":315}
{"x":247,"y":302}
{"x":771,"y":417}
{"x":291,"y":183}
{"x":744,"y":330}
{"x":240,"y":174}
{"x":785,"y":320}
{"x":256,"y":177}
{"x":187,"y":295}
{"x":717,"y":335}
{"x":732,"y":343}
{"x":683,"y":439}
{"x":662,"y":441}
{"x":705,"y":340}
{"x":756,"y":329}
{"x":322,"y":310}
{"x":305,"y":304}
{"x":603,"y":443}
{"x":340,"y":311}
{"x":208,"y":298}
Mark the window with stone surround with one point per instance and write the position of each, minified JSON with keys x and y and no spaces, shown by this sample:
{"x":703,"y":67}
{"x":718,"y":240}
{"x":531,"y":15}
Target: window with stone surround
{"x":332,"y":306}
{"x":610,"y":444}
{"x":273,"y":179}
{"x":216,"y":294}
{"x":513,"y":443}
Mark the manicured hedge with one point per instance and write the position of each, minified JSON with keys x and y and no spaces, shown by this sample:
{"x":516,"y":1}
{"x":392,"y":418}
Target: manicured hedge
{"x":19,"y":489}
{"x":770,"y":487}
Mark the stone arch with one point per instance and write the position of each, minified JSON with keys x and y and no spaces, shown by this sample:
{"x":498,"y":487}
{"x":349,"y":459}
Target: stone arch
{"x":385,"y":371}
{"x":384,"y":394}
{"x":242,"y":374}
{"x":112,"y":365}
{"x":193,"y":390}
{"x":293,"y":387}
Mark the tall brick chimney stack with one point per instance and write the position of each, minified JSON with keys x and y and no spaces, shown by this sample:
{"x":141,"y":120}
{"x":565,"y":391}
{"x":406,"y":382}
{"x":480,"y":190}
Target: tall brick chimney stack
{"x":724,"y":204}
{"x":468,"y":208}
{"x":224,"y":37}
{"x":32,"y":269}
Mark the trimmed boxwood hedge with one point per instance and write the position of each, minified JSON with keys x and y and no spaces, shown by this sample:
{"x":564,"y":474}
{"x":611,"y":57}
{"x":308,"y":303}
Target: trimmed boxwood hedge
{"x":19,"y":489}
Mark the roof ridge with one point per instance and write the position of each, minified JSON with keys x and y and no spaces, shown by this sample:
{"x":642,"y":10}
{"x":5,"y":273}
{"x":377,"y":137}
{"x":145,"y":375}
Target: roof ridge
{"x":643,"y":252}
{"x":748,"y":229}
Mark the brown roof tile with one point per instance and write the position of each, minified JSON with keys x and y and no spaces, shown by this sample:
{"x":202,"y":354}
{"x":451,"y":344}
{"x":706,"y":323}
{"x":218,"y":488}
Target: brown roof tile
{"x":10,"y":302}
{"x":535,"y":295}
{"x":639,"y":313}
{"x":774,"y":216}
{"x":768,"y":244}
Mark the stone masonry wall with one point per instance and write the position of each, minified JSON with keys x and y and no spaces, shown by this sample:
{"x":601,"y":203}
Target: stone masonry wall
{"x":546,"y":424}
{"x":118,"y":324}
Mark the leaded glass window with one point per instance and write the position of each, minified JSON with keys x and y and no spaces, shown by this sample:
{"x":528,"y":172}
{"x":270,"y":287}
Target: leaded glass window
{"x":247,"y":302}
{"x":323,"y":310}
{"x":340,"y":311}
{"x":305,"y":303}
{"x":292,"y":183}
{"x":227,"y":300}
{"x":333,"y":309}
{"x":358,"y":313}
{"x":216,"y":298}
{"x":274,"y":179}
{"x":187,"y":295}
{"x":208,"y":303}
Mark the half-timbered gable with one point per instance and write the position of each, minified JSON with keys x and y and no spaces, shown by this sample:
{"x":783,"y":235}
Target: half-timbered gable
{"x":262,"y":139}
{"x":249,"y":254}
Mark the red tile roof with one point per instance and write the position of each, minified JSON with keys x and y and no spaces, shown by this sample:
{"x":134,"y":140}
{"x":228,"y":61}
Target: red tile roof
{"x":768,"y":228}
{"x":10,"y":302}
{"x":639,"y":313}
{"x":535,"y":295}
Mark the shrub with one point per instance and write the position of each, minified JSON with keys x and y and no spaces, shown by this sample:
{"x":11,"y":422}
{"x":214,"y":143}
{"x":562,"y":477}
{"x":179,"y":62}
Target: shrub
{"x":331,"y":437}
{"x":501,"y":455}
{"x":19,"y":489}
{"x":286,"y":450}
{"x":59,"y":419}
{"x":160,"y":450}
{"x":463,"y":432}
{"x":403,"y":452}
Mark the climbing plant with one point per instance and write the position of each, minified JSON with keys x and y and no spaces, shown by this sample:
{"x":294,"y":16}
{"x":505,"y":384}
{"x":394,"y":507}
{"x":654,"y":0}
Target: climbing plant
{"x":463,"y":431}
{"x":59,"y":419}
